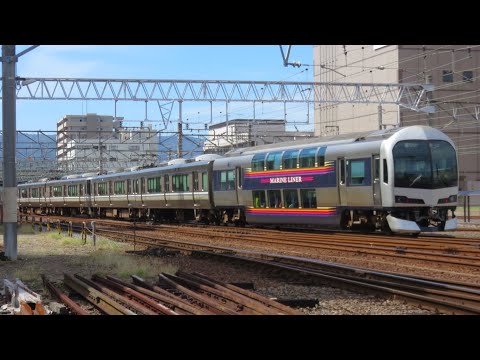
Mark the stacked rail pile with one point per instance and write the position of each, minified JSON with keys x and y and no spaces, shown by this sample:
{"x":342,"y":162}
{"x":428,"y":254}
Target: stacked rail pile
{"x":180,"y":294}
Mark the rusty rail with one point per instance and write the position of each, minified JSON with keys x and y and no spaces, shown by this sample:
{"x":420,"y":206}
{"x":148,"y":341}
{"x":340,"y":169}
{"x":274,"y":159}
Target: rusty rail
{"x":72,"y":305}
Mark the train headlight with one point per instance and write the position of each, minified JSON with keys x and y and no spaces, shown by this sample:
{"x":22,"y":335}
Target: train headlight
{"x":406,"y":200}
{"x":450,"y":199}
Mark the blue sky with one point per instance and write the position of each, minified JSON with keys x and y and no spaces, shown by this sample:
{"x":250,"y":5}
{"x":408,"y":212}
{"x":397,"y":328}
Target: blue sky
{"x":209,"y":62}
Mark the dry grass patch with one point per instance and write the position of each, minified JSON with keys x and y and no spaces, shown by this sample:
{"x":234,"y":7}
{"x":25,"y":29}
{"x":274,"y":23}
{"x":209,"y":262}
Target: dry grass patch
{"x":125,"y":265}
{"x":53,"y":254}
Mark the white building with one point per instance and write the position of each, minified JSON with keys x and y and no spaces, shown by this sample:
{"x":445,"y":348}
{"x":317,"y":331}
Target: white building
{"x":99,"y":143}
{"x":236,"y":133}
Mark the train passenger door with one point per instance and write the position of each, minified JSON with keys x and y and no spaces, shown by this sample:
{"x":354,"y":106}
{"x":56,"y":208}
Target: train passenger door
{"x":195,"y":187}
{"x":377,"y":195}
{"x":239,"y":182}
{"x":342,"y":182}
{"x":142,"y":189}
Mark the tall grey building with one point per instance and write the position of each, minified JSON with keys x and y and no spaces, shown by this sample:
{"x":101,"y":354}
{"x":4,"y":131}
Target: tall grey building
{"x":454,"y":71}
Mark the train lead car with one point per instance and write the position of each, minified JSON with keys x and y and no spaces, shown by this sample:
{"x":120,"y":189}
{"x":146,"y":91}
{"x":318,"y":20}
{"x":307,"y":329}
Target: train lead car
{"x":400,"y":180}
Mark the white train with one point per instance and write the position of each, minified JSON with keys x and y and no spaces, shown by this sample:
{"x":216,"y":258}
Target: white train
{"x":402,"y":180}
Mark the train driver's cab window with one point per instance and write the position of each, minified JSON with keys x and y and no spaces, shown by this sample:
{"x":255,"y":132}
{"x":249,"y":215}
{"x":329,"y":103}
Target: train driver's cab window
{"x":290,"y":159}
{"x":357,"y":172}
{"x":274,"y":199}
{"x":258,"y":162}
{"x":291,"y":198}
{"x":309,"y":198}
{"x":306,"y":158}
{"x":259,"y":199}
{"x":274,"y":160}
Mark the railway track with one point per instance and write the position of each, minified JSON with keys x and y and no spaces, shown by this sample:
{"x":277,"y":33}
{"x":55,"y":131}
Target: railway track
{"x":464,"y":252}
{"x":442,"y":296}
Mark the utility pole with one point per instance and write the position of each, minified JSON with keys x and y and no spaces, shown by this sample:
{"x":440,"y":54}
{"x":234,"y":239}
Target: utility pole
{"x":180,"y":130}
{"x":9,"y":137}
{"x":380,"y":120}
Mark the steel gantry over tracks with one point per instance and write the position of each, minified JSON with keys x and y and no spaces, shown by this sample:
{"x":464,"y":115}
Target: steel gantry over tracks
{"x":411,"y":96}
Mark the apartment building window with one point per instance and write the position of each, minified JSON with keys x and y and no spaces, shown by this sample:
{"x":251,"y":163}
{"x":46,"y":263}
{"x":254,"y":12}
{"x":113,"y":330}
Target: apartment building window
{"x":447,"y":75}
{"x":467,"y":76}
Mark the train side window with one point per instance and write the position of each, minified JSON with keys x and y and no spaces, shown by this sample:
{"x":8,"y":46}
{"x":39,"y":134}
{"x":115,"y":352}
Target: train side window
{"x":321,"y":156}
{"x":154,"y":185}
{"x":289,"y":160}
{"x":231,"y":180}
{"x":309,"y":198}
{"x":290,"y":198}
{"x":385,"y":171}
{"x":180,"y":183}
{"x":102,"y":189}
{"x":72,"y":190}
{"x":204,"y":181}
{"x":306,"y":158}
{"x":274,"y":161}
{"x":259,"y":199}
{"x":129,"y":186}
{"x":274,"y":199}
{"x":357,"y":172}
{"x":57,"y":191}
{"x":223,"y":180}
{"x":80,"y":189}
{"x":119,"y":187}
{"x":258,"y":162}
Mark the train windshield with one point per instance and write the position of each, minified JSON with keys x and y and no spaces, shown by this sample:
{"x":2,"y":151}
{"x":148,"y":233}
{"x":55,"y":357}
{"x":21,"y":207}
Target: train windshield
{"x":425,"y":164}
